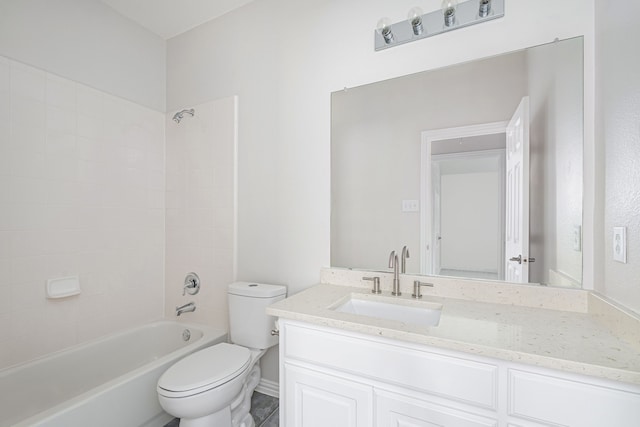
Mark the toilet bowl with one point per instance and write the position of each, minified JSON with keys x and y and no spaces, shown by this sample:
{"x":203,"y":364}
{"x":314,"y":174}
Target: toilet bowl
{"x":213,"y":386}
{"x":204,"y":383}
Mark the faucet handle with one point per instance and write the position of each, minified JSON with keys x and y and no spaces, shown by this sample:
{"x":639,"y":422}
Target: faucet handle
{"x":191,"y":284}
{"x":416,"y":288}
{"x":376,"y":284}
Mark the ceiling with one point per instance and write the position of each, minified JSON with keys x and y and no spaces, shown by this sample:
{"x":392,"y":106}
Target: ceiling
{"x":168,"y":18}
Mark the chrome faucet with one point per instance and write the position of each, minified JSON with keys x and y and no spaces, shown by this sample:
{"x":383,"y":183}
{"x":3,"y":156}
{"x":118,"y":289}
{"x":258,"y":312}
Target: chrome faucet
{"x":405,"y":255}
{"x":185,"y":308}
{"x":376,"y":284}
{"x":393,"y":263}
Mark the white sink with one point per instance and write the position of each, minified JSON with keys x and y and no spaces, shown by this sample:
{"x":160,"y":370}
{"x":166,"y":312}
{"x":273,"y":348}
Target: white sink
{"x":420,"y":313}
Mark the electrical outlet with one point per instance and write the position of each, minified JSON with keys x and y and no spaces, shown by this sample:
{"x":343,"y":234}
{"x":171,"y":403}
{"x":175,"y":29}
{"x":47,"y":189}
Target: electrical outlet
{"x":577,"y":238}
{"x":620,"y":244}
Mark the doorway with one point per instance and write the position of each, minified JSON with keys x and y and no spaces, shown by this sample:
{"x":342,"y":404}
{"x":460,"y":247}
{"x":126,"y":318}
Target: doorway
{"x":463,"y":188}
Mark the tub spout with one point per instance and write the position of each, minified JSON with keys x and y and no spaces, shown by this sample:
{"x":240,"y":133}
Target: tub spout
{"x":185,"y":308}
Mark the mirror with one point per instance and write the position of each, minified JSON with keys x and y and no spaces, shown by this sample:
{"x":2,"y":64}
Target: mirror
{"x":423,"y":161}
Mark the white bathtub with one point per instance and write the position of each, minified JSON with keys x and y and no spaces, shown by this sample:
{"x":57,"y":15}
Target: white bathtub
{"x":106,"y":382}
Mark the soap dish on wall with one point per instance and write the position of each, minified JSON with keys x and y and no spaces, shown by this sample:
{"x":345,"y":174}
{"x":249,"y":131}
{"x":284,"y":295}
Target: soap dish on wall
{"x":63,"y":287}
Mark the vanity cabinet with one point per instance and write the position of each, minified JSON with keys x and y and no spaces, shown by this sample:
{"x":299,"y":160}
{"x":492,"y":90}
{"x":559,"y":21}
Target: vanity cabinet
{"x":332,"y":377}
{"x":320,"y":400}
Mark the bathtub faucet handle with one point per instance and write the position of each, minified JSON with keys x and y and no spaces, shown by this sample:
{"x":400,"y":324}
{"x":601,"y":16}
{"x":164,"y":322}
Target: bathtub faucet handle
{"x":191,"y":284}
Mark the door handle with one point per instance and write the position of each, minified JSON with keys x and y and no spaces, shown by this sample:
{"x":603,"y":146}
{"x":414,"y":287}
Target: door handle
{"x":520,"y":260}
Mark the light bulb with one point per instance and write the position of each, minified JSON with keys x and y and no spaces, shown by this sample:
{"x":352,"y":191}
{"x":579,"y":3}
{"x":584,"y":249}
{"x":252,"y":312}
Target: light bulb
{"x":415,"y":19}
{"x":449,"y":12}
{"x":384,"y":28}
{"x":485,"y":8}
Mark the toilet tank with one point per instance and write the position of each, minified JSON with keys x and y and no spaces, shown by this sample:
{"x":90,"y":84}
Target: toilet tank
{"x":249,"y":325}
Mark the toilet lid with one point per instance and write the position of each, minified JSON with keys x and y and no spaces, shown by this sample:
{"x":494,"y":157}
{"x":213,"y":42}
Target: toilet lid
{"x":205,"y":369}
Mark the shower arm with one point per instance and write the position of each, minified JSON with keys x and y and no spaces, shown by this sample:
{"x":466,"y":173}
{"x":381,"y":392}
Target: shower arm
{"x":180,"y":114}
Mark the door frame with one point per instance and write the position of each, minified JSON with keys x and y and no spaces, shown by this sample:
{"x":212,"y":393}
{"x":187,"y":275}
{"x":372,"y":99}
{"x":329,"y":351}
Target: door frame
{"x":426,"y":185}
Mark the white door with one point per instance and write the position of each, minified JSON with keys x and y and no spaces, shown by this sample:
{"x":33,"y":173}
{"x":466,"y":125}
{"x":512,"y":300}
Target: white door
{"x":314,"y":399}
{"x":517,"y":197}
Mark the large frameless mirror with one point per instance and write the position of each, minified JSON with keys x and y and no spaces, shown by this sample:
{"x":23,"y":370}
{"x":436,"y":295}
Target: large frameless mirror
{"x":476,"y":168}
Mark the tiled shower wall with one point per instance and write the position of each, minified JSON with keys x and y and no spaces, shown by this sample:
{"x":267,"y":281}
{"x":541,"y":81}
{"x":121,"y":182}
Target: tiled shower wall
{"x":201,"y":209}
{"x":81,"y":193}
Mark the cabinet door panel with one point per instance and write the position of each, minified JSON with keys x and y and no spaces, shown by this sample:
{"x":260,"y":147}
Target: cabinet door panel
{"x":565,"y":402}
{"x":314,"y":399}
{"x":397,"y":410}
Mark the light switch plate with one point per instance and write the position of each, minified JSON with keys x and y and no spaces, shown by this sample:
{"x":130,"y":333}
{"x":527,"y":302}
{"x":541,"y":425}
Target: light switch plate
{"x":410,"y":205}
{"x":620,"y":244}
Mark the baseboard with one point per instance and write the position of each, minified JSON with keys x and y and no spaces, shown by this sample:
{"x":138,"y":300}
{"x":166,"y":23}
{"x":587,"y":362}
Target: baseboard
{"x":268,"y":387}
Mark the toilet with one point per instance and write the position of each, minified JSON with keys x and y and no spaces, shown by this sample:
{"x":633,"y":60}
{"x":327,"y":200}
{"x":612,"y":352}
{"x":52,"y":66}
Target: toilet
{"x":213,"y":386}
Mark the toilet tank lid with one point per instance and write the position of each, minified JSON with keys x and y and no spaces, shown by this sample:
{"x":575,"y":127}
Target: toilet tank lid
{"x":256,"y":290}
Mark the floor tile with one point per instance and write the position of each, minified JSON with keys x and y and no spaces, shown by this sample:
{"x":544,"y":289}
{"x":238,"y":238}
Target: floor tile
{"x":272,"y":421}
{"x":264,"y":410}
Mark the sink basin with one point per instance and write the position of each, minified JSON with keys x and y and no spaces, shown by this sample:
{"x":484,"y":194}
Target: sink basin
{"x":420,"y":313}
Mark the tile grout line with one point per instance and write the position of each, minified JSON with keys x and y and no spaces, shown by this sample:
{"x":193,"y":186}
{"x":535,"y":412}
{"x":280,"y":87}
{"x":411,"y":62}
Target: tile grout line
{"x":263,"y":423}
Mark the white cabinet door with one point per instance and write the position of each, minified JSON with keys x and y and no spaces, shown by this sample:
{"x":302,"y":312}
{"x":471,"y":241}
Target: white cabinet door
{"x":314,"y":399}
{"x":558,"y":400}
{"x":397,"y":410}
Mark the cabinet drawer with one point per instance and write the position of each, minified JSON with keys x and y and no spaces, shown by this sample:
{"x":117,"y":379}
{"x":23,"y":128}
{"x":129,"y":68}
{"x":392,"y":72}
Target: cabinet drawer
{"x":393,"y":409}
{"x":565,"y":402}
{"x":465,"y":380}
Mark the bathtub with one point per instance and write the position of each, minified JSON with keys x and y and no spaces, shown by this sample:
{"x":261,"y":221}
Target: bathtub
{"x":107,"y":382}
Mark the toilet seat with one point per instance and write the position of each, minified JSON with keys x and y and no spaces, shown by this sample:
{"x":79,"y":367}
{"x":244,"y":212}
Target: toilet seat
{"x":204,"y":370}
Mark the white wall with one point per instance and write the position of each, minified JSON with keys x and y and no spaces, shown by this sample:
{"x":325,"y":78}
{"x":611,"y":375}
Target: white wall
{"x":284,"y":58}
{"x":200,"y":209}
{"x":88,"y":42}
{"x":618,"y":68}
{"x":81,"y":193}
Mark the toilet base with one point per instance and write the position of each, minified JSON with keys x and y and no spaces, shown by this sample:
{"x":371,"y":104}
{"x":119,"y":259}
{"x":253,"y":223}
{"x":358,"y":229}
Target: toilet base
{"x":235,"y":415}
{"x":220,"y":418}
{"x":241,"y":406}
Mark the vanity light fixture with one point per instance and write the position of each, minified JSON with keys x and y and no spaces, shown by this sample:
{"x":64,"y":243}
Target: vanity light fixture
{"x":454,"y":14}
{"x":415,"y":19}
{"x":484,"y":9}
{"x":384,"y":29}
{"x":449,"y":12}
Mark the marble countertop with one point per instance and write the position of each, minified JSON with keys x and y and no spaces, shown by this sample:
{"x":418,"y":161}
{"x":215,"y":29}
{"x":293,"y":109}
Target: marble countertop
{"x":577,"y":341}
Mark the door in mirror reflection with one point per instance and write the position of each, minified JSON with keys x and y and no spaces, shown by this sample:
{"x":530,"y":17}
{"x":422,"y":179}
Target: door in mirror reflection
{"x":517,"y":196}
{"x":464,"y":224}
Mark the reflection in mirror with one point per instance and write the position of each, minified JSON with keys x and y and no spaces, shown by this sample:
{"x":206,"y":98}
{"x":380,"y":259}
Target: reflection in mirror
{"x":467,"y":175}
{"x":423,"y":161}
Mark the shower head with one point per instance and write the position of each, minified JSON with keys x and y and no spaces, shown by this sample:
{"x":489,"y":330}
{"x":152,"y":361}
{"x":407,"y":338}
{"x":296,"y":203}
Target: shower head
{"x":180,"y":114}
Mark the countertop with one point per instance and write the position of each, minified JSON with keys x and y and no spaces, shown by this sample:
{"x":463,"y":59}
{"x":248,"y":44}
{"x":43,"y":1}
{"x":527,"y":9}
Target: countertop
{"x":582,"y":342}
